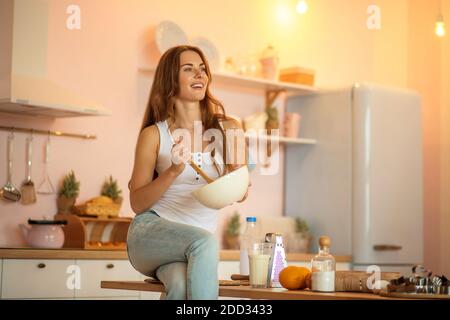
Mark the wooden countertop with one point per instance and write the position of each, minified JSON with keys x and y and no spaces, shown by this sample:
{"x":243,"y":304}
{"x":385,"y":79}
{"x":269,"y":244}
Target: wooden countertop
{"x":251,"y":293}
{"x":33,"y":253}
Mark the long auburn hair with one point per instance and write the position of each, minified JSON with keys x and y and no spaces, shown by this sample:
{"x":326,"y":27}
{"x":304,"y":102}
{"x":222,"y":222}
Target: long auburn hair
{"x":165,"y":87}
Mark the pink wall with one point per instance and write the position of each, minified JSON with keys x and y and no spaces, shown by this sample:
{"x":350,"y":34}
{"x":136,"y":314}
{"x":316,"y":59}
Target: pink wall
{"x":101,"y":62}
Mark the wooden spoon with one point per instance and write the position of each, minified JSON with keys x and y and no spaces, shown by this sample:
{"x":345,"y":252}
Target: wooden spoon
{"x":27,"y":189}
{"x":193,"y":165}
{"x":200,"y":172}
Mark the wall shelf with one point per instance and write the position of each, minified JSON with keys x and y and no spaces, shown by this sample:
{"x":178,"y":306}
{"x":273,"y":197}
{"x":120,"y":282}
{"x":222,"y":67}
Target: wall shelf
{"x":254,"y":83}
{"x":285,"y":139}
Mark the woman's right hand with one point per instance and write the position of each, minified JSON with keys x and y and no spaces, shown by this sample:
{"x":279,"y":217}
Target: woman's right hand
{"x":180,"y":156}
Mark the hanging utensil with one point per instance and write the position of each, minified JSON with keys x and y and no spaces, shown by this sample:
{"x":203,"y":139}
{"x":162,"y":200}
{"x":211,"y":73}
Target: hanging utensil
{"x":27,"y":189}
{"x":9,"y":192}
{"x":46,"y":187}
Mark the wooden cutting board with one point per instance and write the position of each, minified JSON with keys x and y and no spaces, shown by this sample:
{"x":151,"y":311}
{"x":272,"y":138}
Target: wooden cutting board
{"x":241,"y":282}
{"x":356,"y":281}
{"x":239,"y":277}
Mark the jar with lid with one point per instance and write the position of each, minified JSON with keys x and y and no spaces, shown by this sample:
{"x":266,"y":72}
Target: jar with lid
{"x":269,"y":63}
{"x":323,"y":267}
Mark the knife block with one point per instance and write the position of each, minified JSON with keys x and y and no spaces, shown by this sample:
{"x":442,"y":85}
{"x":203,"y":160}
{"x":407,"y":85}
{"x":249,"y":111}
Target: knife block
{"x":94,"y":233}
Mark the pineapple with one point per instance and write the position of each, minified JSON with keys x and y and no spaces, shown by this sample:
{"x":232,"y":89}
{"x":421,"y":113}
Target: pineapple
{"x":111,"y":189}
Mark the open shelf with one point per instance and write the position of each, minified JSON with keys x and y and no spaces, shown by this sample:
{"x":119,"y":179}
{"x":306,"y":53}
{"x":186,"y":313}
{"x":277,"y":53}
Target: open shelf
{"x":284,"y":139}
{"x":254,"y":83}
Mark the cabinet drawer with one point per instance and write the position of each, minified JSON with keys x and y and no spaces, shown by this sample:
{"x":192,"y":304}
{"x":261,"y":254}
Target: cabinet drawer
{"x":227,"y":268}
{"x":23,"y":279}
{"x":92,"y":272}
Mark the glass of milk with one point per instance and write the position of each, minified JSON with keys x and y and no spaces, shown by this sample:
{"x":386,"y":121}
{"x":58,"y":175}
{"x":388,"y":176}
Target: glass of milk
{"x":259,"y":256}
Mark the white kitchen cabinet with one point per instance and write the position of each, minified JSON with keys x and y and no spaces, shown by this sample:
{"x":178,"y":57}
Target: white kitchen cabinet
{"x":23,"y":278}
{"x":92,"y":272}
{"x":149,"y":295}
{"x":227,"y":268}
{"x":53,"y":279}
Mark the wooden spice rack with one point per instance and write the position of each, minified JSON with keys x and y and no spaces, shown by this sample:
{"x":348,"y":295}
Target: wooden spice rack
{"x":94,"y":233}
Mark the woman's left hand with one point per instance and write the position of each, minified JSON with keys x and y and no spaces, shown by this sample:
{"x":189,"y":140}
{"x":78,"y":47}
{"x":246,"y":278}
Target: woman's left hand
{"x":234,"y":167}
{"x":246,"y":194}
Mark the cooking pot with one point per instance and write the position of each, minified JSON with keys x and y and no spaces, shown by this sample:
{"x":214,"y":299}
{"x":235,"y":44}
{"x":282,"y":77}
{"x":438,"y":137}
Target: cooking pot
{"x":44,"y":233}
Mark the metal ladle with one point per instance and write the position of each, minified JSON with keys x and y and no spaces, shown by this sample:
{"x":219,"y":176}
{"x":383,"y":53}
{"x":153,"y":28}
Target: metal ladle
{"x":9,"y":192}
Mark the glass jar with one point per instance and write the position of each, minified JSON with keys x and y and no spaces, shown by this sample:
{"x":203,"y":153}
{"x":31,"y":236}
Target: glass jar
{"x":323,"y":268}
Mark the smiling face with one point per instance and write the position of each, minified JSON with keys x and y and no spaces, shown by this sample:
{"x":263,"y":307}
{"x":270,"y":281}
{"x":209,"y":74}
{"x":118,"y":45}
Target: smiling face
{"x":193,"y":79}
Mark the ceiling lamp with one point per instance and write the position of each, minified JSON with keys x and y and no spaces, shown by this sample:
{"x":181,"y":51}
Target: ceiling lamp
{"x":440,"y":25}
{"x":302,"y":7}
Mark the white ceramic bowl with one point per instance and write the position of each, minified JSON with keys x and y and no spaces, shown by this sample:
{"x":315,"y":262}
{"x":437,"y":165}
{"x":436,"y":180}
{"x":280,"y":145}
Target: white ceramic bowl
{"x":225,"y":190}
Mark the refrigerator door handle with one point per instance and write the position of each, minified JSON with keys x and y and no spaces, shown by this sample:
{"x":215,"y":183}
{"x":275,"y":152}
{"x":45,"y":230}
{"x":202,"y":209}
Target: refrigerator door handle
{"x":387,"y":247}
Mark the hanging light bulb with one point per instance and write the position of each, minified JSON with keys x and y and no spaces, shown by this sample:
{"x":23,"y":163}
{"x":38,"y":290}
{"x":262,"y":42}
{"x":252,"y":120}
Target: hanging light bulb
{"x":440,"y":26}
{"x":302,"y":7}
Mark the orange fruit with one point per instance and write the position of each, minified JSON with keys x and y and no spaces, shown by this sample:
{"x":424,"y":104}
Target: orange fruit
{"x":308,"y":280}
{"x":294,"y":278}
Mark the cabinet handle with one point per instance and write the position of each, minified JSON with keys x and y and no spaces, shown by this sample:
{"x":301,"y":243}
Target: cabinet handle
{"x":41,"y":265}
{"x":110,"y":266}
{"x":387,"y":247}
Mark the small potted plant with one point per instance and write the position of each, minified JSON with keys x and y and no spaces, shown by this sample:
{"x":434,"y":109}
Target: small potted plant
{"x":68,"y":193}
{"x":300,"y":240}
{"x":272,"y":119}
{"x":111,"y":189}
{"x":231,"y":236}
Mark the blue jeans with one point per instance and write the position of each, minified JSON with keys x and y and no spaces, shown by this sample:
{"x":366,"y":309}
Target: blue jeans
{"x":184,"y":258}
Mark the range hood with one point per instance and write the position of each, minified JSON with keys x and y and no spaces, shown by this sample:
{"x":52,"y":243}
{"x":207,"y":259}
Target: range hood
{"x":24,"y":84}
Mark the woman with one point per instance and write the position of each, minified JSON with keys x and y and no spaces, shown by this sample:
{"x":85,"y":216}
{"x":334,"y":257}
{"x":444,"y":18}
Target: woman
{"x":171,"y":238}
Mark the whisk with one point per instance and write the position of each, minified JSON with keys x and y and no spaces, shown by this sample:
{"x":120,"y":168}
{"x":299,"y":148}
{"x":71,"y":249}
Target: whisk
{"x":46,"y":186}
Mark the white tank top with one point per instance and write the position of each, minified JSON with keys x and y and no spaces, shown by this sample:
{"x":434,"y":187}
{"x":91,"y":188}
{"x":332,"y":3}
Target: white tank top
{"x":177,"y":204}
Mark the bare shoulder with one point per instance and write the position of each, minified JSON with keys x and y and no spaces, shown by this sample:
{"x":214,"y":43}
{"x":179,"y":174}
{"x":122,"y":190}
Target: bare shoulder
{"x":150,"y":135}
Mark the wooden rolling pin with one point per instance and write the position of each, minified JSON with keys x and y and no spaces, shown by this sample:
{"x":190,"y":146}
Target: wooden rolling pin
{"x":239,"y":277}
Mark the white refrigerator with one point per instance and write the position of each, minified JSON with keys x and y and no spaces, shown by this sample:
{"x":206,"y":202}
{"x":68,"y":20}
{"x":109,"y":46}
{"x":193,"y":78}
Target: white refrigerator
{"x":362,"y":183}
